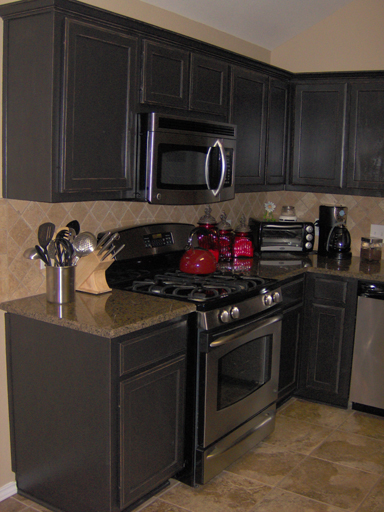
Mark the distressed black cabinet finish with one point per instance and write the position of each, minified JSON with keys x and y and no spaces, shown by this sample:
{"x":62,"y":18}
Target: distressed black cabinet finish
{"x":327,"y":339}
{"x":69,"y":86}
{"x":319,"y":136}
{"x":174,"y":77}
{"x":259,"y":108}
{"x":366,"y":142}
{"x":96,"y":423}
{"x":293,"y":297}
{"x":165,"y":75}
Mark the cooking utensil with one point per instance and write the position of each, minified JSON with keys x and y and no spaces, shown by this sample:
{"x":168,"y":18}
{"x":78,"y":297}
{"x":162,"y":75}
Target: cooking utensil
{"x":42,"y":256}
{"x":45,"y":235}
{"x":197,"y":261}
{"x":118,"y":250}
{"x":84,"y":243}
{"x":75,"y":225}
{"x":110,"y":250}
{"x":31,"y":254}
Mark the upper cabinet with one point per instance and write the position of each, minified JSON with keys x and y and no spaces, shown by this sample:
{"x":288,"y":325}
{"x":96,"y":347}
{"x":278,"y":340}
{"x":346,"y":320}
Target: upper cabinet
{"x":259,"y":108}
{"x":365,"y":170}
{"x":69,"y":88}
{"x":174,"y":77}
{"x":319,"y":134}
{"x":337,"y":135}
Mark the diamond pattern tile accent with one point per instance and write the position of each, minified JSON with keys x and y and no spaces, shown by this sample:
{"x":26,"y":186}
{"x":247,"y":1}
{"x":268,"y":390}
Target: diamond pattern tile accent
{"x":19,"y":221}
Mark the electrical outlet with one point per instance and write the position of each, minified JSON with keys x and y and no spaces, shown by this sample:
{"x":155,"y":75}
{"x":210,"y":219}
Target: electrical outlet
{"x":42,"y":264}
{"x":316,"y":227}
{"x":377,"y":230}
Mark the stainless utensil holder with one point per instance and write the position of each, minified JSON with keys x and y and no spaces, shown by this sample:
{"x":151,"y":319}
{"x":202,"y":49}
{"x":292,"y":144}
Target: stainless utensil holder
{"x":60,"y":282}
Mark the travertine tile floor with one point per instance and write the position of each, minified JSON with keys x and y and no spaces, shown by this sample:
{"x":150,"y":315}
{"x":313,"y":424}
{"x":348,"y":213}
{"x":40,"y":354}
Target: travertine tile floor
{"x":319,"y":459}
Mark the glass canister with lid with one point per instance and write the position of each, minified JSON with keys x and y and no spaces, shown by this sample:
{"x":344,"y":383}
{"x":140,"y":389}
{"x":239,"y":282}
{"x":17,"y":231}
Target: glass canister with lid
{"x":242,"y":244}
{"x":370,"y":249}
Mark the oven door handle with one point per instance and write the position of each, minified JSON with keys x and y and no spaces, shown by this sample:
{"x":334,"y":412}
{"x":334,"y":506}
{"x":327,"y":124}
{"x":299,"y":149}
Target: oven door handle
{"x":249,"y":328}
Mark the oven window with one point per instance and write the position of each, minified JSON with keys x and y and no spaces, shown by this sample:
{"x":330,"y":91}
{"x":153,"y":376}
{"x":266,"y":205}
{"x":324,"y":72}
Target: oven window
{"x":183,"y":167}
{"x":243,"y":370}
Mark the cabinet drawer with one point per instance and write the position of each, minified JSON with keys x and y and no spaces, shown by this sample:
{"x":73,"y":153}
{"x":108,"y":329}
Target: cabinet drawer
{"x":145,"y":350}
{"x":330,"y":289}
{"x":293,"y":292}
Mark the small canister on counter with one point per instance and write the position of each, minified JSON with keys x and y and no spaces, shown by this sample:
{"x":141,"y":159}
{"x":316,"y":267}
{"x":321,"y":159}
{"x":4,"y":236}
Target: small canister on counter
{"x":242,"y":244}
{"x":210,"y":239}
{"x":225,"y":238}
{"x":370,"y":249}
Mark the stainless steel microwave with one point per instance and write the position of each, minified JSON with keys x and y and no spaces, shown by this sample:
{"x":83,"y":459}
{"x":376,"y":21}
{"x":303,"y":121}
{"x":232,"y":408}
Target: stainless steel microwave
{"x":185,"y":161}
{"x":282,"y":236}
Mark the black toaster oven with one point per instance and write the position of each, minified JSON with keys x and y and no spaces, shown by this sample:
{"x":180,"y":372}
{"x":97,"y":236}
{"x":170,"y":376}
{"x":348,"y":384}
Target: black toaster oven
{"x":282,"y":236}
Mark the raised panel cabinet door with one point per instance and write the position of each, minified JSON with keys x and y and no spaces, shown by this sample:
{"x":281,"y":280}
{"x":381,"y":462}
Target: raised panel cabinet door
{"x":289,"y":351}
{"x":151,"y":429}
{"x":209,"y":85}
{"x":165,"y":76}
{"x":277,"y":132}
{"x":319,"y":135}
{"x":366,"y":143}
{"x":249,"y":103}
{"x":100,"y":67}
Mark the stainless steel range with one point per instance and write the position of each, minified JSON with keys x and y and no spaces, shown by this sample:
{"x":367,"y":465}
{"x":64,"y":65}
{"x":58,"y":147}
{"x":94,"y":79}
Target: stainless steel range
{"x":233,"y":360}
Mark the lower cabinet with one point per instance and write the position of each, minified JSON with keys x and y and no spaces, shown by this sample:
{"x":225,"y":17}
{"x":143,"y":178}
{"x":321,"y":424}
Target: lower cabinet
{"x":293,"y":296}
{"x":96,"y":423}
{"x":327,"y":338}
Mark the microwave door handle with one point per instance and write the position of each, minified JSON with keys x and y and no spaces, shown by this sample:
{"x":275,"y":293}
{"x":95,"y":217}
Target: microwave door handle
{"x":223,"y":167}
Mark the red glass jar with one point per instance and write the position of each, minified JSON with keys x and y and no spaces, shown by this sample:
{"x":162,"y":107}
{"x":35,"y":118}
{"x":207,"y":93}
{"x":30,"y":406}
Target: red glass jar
{"x":242,"y":244}
{"x":225,"y":239}
{"x":210,"y":239}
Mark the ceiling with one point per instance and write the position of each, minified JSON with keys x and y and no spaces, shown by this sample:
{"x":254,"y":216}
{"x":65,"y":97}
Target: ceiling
{"x":266,"y":23}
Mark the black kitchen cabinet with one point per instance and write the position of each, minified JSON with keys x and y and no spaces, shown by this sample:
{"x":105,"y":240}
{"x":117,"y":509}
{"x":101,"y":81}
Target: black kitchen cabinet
{"x":365,"y":169}
{"x":319,"y":125}
{"x":165,"y":79}
{"x":292,"y":309}
{"x":96,"y":423}
{"x":327,"y":339}
{"x":259,"y":108}
{"x":69,"y":88}
{"x":177,"y":78}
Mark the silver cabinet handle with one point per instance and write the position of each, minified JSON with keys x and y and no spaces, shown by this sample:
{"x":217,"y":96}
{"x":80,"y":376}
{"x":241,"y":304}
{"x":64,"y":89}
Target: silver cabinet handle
{"x":223,"y":167}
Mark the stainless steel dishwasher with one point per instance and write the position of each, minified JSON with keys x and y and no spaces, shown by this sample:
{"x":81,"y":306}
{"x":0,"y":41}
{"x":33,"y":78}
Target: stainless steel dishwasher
{"x":367,"y":382}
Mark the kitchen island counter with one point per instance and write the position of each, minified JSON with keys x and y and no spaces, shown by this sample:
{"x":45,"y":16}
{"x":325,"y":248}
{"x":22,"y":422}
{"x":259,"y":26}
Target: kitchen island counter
{"x":108,"y":315}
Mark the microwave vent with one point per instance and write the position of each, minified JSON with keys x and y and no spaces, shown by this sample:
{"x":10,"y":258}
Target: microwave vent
{"x":188,"y":125}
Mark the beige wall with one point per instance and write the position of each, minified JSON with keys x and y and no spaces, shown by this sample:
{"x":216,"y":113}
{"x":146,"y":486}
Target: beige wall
{"x":351,"y":39}
{"x":19,"y":219}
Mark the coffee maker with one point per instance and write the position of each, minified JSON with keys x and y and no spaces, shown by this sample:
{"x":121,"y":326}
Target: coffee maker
{"x":334,"y":237}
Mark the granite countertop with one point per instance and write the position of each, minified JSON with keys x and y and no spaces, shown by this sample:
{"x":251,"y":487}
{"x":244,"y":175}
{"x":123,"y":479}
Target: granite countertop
{"x":119,"y":312}
{"x":109,"y":315}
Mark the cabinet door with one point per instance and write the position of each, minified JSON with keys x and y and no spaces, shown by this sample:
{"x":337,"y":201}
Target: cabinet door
{"x":209,"y":85}
{"x":327,"y":342}
{"x":249,"y":98}
{"x":165,"y":76}
{"x":98,"y":142}
{"x":319,"y":134}
{"x":289,"y":351}
{"x":277,"y":132}
{"x":366,"y":143}
{"x":152,"y":429}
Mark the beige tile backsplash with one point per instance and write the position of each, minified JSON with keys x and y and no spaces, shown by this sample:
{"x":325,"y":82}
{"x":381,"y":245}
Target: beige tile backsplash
{"x":19,"y":221}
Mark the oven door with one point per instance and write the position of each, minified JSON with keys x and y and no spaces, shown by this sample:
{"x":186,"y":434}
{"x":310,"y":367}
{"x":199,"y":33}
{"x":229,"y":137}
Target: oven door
{"x":238,"y":376}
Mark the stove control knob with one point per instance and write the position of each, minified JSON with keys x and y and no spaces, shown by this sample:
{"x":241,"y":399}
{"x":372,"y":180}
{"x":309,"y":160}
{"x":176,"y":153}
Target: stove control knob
{"x":224,"y":316}
{"x":276,"y":297}
{"x":268,"y":299}
{"x":235,"y":312}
